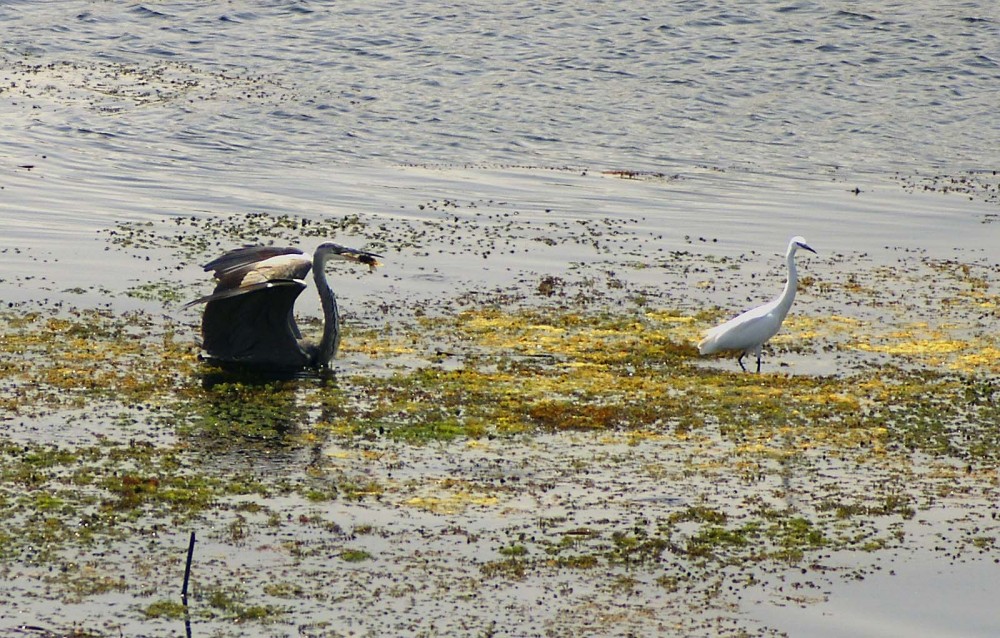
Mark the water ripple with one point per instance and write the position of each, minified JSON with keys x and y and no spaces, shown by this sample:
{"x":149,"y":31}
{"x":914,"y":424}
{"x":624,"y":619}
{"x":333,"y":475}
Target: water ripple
{"x":622,"y":85}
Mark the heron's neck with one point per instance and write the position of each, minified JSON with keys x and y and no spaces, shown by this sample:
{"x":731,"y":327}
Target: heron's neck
{"x":791,"y":285}
{"x":330,"y":342}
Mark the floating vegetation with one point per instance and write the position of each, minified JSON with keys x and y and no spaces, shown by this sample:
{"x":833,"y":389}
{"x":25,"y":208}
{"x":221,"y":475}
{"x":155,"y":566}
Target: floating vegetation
{"x":190,"y":239}
{"x":554,"y":442}
{"x":111,"y":87}
{"x":642,"y":175}
{"x":981,"y":184}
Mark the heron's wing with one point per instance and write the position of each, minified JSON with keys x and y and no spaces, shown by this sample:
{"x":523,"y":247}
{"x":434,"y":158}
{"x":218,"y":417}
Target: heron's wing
{"x":246,"y":256}
{"x":247,"y":269}
{"x":233,"y":292}
{"x":255,"y":326}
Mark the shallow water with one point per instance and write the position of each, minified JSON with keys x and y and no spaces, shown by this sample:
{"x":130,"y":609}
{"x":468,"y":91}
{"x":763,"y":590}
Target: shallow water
{"x":935,"y":593}
{"x":474,"y":140}
{"x":778,"y":86}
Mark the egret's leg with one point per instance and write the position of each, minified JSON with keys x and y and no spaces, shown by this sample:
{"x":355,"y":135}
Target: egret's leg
{"x":757,"y":351}
{"x":739,"y":360}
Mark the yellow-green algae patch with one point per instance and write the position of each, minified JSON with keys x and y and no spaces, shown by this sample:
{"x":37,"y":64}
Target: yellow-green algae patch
{"x":51,"y":362}
{"x":935,"y":347}
{"x":231,"y":446}
{"x":555,"y":370}
{"x":452,"y":501}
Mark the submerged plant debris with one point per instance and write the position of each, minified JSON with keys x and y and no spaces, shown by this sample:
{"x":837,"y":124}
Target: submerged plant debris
{"x":561,"y":437}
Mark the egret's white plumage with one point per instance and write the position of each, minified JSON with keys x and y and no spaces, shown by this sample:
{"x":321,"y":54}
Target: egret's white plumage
{"x":748,"y":332}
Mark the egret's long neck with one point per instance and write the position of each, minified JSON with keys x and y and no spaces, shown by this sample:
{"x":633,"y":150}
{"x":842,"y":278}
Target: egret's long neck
{"x":330,"y":342}
{"x":791,"y":285}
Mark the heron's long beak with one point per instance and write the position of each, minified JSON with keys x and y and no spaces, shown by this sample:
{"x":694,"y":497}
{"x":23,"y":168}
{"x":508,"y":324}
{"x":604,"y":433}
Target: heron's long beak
{"x":809,"y":248}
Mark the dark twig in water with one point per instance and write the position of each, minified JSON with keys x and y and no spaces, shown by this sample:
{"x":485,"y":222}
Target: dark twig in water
{"x":187,"y":571}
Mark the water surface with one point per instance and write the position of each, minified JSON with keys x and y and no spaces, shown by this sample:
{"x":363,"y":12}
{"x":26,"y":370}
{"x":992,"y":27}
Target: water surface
{"x":872,"y":130}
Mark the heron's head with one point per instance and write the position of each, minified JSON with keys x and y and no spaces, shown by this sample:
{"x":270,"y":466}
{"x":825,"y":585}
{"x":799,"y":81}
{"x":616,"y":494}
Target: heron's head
{"x":330,"y":250}
{"x":799,"y":242}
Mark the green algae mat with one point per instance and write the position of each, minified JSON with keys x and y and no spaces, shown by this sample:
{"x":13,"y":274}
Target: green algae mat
{"x":559,"y":437}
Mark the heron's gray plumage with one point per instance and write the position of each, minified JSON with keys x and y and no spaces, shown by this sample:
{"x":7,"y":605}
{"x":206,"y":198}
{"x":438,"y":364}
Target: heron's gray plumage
{"x":264,"y":331}
{"x":249,"y":317}
{"x":233,"y":266}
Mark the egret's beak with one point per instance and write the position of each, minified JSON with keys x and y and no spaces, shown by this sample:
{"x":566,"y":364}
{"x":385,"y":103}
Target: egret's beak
{"x":809,"y":248}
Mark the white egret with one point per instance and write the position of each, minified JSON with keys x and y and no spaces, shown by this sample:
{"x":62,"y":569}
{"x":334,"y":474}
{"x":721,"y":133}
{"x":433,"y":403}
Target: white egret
{"x":748,"y":332}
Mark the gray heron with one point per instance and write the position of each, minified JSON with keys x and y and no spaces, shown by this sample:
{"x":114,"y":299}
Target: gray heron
{"x":249,"y":319}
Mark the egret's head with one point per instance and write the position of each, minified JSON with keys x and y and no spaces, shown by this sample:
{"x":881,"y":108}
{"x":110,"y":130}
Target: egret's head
{"x":330,"y":250}
{"x":799,"y":242}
